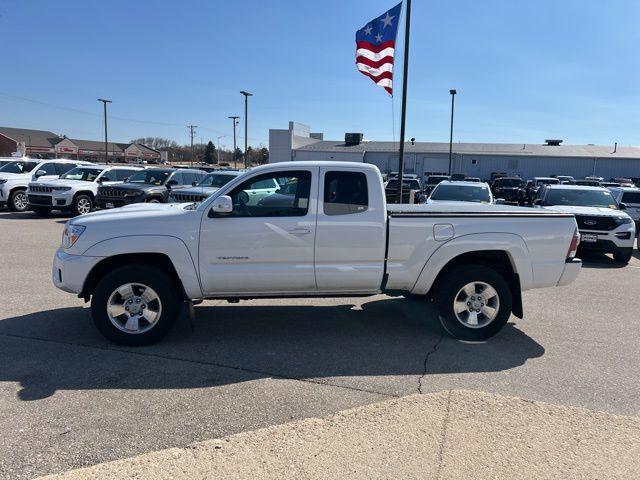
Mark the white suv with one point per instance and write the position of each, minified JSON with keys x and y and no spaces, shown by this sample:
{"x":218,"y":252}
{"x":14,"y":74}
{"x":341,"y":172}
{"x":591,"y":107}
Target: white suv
{"x":630,"y":197}
{"x":75,"y":191}
{"x":15,"y":178}
{"x":603,"y":226}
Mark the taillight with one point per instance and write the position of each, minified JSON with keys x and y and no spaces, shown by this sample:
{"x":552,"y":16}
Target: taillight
{"x":573,"y":247}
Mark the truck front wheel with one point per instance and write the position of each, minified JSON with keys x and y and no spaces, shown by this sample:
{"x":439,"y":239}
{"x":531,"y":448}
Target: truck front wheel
{"x":135,"y":305}
{"x":474,"y":302}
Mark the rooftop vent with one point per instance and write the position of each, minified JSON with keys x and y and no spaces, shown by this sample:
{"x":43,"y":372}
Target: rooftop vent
{"x":353,"y":138}
{"x":553,"y":142}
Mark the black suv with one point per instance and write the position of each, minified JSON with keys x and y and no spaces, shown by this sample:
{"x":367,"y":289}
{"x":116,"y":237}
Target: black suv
{"x":151,"y":185}
{"x":511,"y":189}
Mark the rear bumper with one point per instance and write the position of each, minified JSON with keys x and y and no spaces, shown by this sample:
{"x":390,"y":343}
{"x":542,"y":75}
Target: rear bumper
{"x":570,"y":273}
{"x":69,"y":272}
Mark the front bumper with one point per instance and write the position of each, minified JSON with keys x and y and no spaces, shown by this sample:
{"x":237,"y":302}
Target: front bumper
{"x":106,"y":202}
{"x":611,"y":241}
{"x":570,"y":273}
{"x":55,"y":200}
{"x":69,"y":272}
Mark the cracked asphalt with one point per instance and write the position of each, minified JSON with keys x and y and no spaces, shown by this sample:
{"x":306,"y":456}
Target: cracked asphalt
{"x":70,"y":399}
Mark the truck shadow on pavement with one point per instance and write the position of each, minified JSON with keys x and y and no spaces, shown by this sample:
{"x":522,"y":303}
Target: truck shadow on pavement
{"x":338,"y":344}
{"x":599,"y":260}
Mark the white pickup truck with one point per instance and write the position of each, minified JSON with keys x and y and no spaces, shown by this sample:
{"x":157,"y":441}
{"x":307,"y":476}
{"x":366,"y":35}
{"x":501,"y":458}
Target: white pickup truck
{"x":325,"y":230}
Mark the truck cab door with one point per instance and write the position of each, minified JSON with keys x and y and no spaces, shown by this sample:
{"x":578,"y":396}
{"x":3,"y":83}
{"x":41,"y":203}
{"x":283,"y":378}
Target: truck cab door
{"x":351,"y":231}
{"x":265,"y":245}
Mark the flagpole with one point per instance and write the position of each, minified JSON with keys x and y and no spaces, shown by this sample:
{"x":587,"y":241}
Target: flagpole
{"x":404,"y":96}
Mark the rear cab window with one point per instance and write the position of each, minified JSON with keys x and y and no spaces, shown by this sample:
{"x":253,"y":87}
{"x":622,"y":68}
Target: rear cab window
{"x":345,"y":193}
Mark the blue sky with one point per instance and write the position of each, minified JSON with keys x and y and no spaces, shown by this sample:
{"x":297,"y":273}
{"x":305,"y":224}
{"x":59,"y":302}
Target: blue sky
{"x":524,"y":70}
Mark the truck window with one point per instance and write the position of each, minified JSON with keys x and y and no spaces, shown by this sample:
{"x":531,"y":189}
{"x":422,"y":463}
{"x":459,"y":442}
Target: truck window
{"x":62,"y":168}
{"x":276,"y":194}
{"x":49,"y":169}
{"x":345,"y":193}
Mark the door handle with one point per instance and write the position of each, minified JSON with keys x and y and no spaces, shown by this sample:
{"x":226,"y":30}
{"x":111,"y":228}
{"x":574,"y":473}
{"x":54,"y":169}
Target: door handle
{"x":300,"y":231}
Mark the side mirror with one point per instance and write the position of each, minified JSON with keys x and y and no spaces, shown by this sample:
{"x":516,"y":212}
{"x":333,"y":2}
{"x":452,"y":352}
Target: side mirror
{"x":171,"y":183}
{"x":537,"y":201}
{"x":222,"y":204}
{"x":40,"y":173}
{"x":499,"y":201}
{"x":622,"y":206}
{"x":193,"y":184}
{"x":99,"y":181}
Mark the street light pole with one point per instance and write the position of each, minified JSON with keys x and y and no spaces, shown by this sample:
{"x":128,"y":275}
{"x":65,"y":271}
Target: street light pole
{"x":106,"y":144}
{"x":453,"y":100}
{"x":234,"y":119}
{"x":246,"y":122}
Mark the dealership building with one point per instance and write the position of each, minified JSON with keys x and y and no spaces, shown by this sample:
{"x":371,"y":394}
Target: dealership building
{"x":45,"y":144}
{"x":550,"y":157}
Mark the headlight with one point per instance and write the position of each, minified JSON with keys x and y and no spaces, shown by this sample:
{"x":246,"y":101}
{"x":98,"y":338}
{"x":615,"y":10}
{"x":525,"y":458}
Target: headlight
{"x":71,"y":234}
{"x":61,"y":189}
{"x":622,"y":220}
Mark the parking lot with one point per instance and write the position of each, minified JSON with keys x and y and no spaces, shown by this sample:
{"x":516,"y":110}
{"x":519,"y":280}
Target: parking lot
{"x":69,"y":398}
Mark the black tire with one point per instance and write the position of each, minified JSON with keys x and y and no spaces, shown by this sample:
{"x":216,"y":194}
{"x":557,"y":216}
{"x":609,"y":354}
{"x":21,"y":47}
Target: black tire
{"x":448,"y":289}
{"x":623,"y":255}
{"x":81,"y":203}
{"x":41,"y":211}
{"x":15,"y":204}
{"x":158,"y":280}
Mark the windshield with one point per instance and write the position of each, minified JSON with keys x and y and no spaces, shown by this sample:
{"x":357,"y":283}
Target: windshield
{"x":82,"y":173}
{"x":18,"y":167}
{"x":580,"y":198}
{"x":406,"y":184}
{"x":216,"y":180}
{"x":150,"y":177}
{"x":509,"y":182}
{"x":631,"y":197}
{"x":459,"y":193}
{"x":435,"y":180}
{"x":547,"y":181}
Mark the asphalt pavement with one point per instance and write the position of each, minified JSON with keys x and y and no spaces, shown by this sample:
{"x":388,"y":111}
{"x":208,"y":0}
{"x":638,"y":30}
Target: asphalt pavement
{"x":68,"y":398}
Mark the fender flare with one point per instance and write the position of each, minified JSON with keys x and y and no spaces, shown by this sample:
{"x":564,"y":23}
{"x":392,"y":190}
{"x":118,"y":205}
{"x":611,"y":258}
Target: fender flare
{"x":173,"y":247}
{"x":513,"y":245}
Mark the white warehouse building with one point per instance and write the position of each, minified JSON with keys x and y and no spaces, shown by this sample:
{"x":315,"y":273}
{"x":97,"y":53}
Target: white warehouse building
{"x":473,"y":159}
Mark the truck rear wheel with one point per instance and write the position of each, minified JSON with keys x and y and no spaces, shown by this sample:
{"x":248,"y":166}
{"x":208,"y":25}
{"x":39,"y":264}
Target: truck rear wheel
{"x":135,"y":305}
{"x":474,"y":302}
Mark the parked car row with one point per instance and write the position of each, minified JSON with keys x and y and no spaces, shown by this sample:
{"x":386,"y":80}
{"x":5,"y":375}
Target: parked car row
{"x":78,"y":187}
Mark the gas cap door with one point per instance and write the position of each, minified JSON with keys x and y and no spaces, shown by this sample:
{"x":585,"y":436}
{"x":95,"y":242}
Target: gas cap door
{"x":443,"y":231}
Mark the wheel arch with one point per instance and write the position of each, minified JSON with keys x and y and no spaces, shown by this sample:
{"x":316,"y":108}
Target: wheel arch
{"x":88,"y":193}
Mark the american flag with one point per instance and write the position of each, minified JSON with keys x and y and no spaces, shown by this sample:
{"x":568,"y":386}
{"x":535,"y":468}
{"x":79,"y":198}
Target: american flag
{"x":375,"y":47}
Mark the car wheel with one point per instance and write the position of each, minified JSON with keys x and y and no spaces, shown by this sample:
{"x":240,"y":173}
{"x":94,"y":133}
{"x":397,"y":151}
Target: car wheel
{"x":135,"y":305}
{"x":623,"y":256}
{"x":41,"y":211}
{"x":82,"y":204}
{"x":474,"y":302}
{"x":18,"y":201}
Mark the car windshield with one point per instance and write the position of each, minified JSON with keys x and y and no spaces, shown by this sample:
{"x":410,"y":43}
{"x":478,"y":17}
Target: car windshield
{"x":150,"y":177}
{"x":216,"y":180}
{"x":580,"y":198}
{"x":547,"y":181}
{"x":406,"y":184}
{"x":82,"y":173}
{"x":435,"y":180}
{"x":18,"y":167}
{"x":460,"y":193}
{"x":631,"y":197}
{"x":509,"y":182}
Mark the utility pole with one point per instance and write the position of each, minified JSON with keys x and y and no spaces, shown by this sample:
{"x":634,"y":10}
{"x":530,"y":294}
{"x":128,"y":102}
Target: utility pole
{"x":453,"y":99}
{"x":234,"y":120}
{"x":246,"y":122}
{"x":106,"y":144}
{"x":191,"y":134}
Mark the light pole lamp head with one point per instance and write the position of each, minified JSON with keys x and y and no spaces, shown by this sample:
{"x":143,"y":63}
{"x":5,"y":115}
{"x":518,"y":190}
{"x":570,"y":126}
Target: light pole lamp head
{"x":453,"y":91}
{"x":104,"y":100}
{"x":246,"y":94}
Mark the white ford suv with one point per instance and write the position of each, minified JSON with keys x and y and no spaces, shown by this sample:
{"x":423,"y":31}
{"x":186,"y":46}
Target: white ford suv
{"x":76,"y":190}
{"x":15,"y":178}
{"x":602,"y":224}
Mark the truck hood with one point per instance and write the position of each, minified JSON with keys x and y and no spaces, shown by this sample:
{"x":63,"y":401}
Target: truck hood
{"x":196,"y":190}
{"x":593,"y":211}
{"x":62,"y":182}
{"x":130,"y":214}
